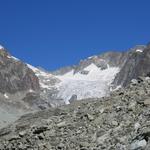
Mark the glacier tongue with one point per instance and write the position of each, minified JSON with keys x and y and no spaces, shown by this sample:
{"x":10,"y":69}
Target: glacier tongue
{"x":93,"y":85}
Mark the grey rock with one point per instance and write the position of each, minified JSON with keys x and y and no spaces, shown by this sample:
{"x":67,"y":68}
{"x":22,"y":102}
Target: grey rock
{"x":73,"y":98}
{"x":138,"y":145}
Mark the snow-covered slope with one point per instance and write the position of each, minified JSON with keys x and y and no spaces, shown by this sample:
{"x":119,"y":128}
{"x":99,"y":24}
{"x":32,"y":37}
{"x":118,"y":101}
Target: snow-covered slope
{"x":46,"y":79}
{"x":92,"y":77}
{"x":94,"y":84}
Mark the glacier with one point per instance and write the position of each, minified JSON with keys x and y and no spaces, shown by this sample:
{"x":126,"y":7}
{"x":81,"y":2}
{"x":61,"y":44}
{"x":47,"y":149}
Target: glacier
{"x":95,"y":84}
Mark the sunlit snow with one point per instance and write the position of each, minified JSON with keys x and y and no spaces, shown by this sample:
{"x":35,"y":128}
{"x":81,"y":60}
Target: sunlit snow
{"x":15,"y":58}
{"x":6,"y":96}
{"x":139,"y":50}
{"x":95,"y":84}
{"x":44,"y":77}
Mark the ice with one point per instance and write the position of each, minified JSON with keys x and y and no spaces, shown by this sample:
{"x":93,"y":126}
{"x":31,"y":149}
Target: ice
{"x":95,"y":84}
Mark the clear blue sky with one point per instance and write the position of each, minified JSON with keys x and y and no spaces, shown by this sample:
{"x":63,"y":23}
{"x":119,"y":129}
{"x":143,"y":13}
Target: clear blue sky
{"x":56,"y":33}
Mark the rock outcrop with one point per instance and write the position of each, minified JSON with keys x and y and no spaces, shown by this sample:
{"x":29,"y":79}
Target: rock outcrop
{"x":136,"y":64}
{"x":16,"y":81}
{"x":15,"y":76}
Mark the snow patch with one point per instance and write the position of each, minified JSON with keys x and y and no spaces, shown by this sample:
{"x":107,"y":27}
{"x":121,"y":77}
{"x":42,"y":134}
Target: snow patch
{"x":31,"y":91}
{"x":33,"y":68}
{"x":14,"y":58}
{"x":6,"y":96}
{"x":115,"y":89}
{"x":139,"y":50}
{"x":44,"y":77}
{"x":94,"y":56}
{"x":91,"y":67}
{"x":9,"y":56}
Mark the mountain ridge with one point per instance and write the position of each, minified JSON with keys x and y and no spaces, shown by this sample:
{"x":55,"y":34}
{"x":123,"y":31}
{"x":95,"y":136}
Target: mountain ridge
{"x":93,"y":78}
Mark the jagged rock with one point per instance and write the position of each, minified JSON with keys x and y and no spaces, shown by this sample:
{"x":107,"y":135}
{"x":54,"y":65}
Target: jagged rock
{"x":22,"y":133}
{"x":39,"y":130}
{"x":90,"y":117}
{"x":13,"y":138}
{"x":15,"y":75}
{"x":137,"y":126}
{"x":134,"y":81}
{"x":136,"y":65}
{"x":61,"y":124}
{"x":147,"y":102}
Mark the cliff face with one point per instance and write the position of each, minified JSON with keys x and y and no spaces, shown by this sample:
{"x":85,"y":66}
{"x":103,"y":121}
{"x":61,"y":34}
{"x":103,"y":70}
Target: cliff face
{"x":137,"y":64}
{"x":16,"y":81}
{"x":15,"y":76}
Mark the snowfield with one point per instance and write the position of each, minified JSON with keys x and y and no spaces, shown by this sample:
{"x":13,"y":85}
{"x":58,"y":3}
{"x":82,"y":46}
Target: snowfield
{"x":95,"y":84}
{"x":139,"y":50}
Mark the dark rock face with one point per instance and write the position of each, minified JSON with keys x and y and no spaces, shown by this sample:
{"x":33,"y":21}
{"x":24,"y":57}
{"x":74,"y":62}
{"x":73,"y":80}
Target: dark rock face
{"x":114,"y":59}
{"x":15,"y":76}
{"x":16,"y":80}
{"x":137,"y":64}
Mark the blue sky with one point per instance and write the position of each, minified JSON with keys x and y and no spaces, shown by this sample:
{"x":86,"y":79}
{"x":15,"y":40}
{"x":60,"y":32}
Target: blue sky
{"x":56,"y":33}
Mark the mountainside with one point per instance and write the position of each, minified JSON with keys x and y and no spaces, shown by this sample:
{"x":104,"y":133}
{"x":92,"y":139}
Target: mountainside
{"x":19,"y":88}
{"x":98,"y":75}
{"x":118,"y":122}
{"x":91,"y":78}
{"x":14,"y":75}
{"x":24,"y":88}
{"x":137,"y":64}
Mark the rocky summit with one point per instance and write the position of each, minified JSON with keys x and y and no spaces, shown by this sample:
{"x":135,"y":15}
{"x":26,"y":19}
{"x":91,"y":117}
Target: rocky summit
{"x":118,"y":122}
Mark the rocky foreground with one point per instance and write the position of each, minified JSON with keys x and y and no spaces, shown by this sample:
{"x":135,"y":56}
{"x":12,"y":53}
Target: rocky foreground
{"x":118,"y":122}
